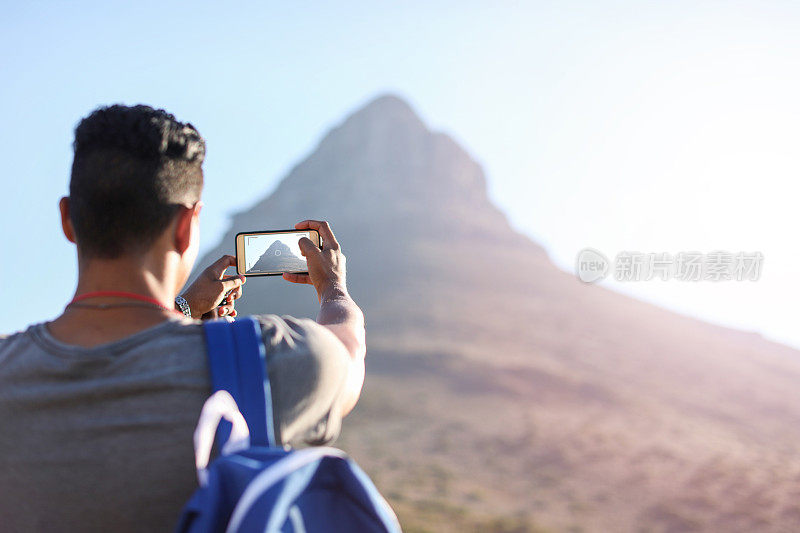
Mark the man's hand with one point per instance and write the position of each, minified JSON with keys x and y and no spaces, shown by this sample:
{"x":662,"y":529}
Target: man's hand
{"x":212,"y":294}
{"x":326,"y":267}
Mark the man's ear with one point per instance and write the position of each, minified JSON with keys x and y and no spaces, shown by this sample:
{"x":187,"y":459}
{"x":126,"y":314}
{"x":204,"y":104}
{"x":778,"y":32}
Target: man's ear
{"x":185,"y":226}
{"x":66,"y":222}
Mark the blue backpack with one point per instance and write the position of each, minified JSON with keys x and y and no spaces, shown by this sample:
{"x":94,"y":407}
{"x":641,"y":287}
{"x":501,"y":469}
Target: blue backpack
{"x":254,"y":485}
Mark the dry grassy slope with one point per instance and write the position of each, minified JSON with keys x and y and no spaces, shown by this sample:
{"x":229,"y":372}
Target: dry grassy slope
{"x":504,"y":395}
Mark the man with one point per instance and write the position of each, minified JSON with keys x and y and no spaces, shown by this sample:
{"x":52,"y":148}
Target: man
{"x":98,"y":407}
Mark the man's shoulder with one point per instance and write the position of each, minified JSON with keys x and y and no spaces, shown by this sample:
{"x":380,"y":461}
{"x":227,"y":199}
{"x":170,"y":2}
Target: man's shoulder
{"x":6,"y":337}
{"x":298,"y":333}
{"x":9,"y":341}
{"x":285,"y":323}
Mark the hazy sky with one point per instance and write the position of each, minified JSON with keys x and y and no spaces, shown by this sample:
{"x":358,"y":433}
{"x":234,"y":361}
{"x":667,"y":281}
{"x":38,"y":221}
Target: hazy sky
{"x":650,"y":127}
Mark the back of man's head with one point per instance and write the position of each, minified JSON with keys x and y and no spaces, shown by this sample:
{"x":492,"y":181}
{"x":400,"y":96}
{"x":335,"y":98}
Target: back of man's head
{"x":133,"y":167}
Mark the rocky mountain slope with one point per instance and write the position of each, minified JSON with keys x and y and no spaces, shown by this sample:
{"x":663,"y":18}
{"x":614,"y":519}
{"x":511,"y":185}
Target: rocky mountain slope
{"x":503,"y":394}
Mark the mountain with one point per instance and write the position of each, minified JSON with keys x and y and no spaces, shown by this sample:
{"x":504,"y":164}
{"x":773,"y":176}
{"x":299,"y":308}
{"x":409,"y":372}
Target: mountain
{"x":278,"y":257}
{"x":503,"y":394}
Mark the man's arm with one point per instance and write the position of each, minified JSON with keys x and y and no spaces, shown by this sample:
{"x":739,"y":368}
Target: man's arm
{"x":338,"y":312}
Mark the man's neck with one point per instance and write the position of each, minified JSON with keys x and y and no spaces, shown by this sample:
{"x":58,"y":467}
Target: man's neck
{"x":139,"y":276}
{"x":91,"y":326}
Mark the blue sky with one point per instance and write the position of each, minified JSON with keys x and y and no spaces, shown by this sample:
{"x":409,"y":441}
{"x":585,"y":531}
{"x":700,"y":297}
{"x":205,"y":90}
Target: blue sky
{"x":655,"y":127}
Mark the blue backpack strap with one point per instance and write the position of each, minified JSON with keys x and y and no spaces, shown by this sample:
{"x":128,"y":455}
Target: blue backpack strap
{"x":254,"y":387}
{"x":222,"y":357}
{"x":237,"y":359}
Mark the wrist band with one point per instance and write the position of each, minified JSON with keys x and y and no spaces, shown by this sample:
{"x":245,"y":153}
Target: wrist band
{"x":183,"y":305}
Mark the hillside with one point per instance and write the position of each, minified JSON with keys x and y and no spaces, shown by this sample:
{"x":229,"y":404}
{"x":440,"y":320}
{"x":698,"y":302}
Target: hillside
{"x":504,"y":395}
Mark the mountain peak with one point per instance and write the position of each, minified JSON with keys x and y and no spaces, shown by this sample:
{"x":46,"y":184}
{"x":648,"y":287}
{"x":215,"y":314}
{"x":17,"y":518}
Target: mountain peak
{"x":389,"y":101}
{"x":387,"y":106}
{"x":384,"y":165}
{"x":382,"y":115}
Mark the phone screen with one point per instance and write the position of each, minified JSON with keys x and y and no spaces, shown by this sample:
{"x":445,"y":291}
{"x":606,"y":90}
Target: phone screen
{"x":270,"y":253}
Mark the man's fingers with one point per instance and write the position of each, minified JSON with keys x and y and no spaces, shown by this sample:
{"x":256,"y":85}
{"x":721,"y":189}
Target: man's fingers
{"x":219,"y":266}
{"x":234,"y":282}
{"x":324,"y":229}
{"x":231,"y":296}
{"x":297,"y":278}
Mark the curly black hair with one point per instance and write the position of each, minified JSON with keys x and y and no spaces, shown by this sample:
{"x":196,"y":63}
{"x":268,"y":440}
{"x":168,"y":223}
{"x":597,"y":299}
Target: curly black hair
{"x":133,"y":167}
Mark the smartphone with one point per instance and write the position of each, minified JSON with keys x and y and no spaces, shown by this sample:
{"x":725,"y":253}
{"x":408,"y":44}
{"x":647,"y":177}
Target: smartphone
{"x":271,"y":253}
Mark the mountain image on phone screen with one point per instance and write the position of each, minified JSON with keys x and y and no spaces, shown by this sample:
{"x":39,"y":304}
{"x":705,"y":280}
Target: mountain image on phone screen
{"x":274,"y":253}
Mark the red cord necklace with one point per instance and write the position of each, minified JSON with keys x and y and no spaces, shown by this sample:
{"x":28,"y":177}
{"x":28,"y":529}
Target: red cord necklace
{"x":120,"y":294}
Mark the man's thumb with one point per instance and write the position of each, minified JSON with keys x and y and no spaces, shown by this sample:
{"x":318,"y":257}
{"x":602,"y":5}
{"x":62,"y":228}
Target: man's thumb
{"x":307,"y":247}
